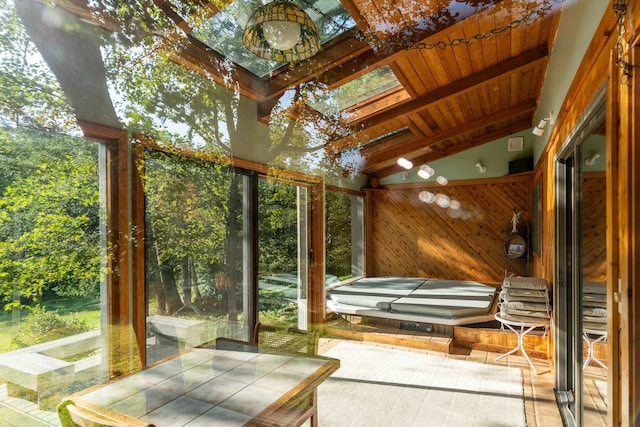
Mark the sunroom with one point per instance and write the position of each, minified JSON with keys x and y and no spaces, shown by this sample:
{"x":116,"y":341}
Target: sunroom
{"x":176,"y":172}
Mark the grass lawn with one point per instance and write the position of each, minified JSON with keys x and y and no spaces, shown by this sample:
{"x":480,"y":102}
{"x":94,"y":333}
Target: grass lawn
{"x":84,"y":309}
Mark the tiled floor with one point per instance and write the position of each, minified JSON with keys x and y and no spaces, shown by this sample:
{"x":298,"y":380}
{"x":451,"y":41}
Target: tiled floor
{"x":540,"y":404}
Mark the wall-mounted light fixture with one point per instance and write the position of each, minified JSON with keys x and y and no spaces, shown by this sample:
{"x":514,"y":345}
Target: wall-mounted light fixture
{"x":482,"y":168}
{"x":404,"y":163}
{"x":539,"y":130}
{"x":591,"y":160}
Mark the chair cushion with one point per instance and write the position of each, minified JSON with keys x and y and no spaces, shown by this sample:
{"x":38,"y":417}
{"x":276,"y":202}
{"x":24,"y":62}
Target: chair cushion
{"x":594,"y":311}
{"x":534,"y":283}
{"x":525,"y":305}
{"x":527,"y":313}
{"x":594,"y":288}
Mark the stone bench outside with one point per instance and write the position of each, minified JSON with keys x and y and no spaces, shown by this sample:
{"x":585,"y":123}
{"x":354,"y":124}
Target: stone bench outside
{"x":34,"y":376}
{"x":39,"y":374}
{"x":190,"y":332}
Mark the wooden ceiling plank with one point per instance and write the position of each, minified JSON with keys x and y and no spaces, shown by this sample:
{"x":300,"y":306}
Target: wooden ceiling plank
{"x":419,"y":122}
{"x":476,"y":49}
{"x":475,"y":100}
{"x":374,"y":156}
{"x":424,"y":79}
{"x":461,"y":54}
{"x":354,"y":11}
{"x":436,"y":155}
{"x":503,"y":40}
{"x":524,"y":60}
{"x":433,"y":62}
{"x":412,"y":80}
{"x":449,"y":64}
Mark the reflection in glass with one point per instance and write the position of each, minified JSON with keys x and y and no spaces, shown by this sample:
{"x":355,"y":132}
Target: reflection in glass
{"x":343,"y":236}
{"x":194,"y":225}
{"x":593,"y":208}
{"x":223,"y":32}
{"x":52,"y":253}
{"x":282,"y":272}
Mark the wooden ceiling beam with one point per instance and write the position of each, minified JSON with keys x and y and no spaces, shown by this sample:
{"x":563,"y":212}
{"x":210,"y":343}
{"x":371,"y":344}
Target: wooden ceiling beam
{"x":351,"y":55}
{"x":209,"y":63}
{"x":457,"y":88}
{"x":461,"y":86}
{"x":436,"y":155}
{"x":382,"y":151}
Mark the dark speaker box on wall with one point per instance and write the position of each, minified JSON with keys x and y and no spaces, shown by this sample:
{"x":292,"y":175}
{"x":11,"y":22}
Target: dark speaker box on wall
{"x":521,"y":165}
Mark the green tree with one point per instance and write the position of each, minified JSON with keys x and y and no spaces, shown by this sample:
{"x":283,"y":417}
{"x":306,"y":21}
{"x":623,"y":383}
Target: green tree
{"x":49,"y":216}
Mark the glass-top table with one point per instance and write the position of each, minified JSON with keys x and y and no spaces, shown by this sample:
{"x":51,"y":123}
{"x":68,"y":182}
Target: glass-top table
{"x":229,"y":383}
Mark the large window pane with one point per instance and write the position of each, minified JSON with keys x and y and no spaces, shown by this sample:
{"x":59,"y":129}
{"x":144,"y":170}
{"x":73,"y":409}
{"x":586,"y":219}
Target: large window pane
{"x":195,"y":233}
{"x":282,"y":231}
{"x":344,"y":236}
{"x":51,"y":255}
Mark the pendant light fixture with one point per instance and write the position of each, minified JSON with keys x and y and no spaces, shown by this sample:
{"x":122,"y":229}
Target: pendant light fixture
{"x":281,"y":31}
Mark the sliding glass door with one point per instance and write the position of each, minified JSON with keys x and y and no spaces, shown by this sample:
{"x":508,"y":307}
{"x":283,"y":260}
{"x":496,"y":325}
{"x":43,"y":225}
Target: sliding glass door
{"x":580,"y":300}
{"x":198,"y":245}
{"x":283,"y":254}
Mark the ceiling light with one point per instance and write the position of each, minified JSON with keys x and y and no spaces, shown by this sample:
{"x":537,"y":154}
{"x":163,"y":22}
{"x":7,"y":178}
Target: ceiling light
{"x":442,"y":180}
{"x":482,"y":168}
{"x":442,"y":200}
{"x":404,"y":163}
{"x":426,"y":172}
{"x":427,"y":197}
{"x":591,"y":160}
{"x":281,"y":31}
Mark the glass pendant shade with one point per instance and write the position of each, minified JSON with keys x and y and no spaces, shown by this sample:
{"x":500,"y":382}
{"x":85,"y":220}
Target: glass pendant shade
{"x":281,"y":35}
{"x":281,"y":31}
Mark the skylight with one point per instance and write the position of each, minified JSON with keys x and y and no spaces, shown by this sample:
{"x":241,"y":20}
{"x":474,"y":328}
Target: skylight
{"x":356,"y":91}
{"x":223,"y":31}
{"x":385,"y":136}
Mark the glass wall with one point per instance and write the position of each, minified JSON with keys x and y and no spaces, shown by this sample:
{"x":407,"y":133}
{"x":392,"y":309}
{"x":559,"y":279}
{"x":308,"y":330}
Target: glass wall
{"x":175,"y":261}
{"x":344,"y":236}
{"x":196,"y":235}
{"x":283,"y":247}
{"x":53,"y":239}
{"x":52,"y":257}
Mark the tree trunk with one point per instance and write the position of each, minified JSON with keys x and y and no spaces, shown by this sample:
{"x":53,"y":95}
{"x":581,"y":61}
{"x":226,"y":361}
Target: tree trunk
{"x":173,"y":301}
{"x":186,"y":282}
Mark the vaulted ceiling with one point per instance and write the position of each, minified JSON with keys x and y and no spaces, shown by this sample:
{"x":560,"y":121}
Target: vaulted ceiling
{"x":469,"y":72}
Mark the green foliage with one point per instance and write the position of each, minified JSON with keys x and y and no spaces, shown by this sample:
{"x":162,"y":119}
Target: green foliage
{"x":29,"y":94}
{"x":338,"y":233}
{"x":277,"y":227}
{"x":49,"y":215}
{"x":42,"y":326}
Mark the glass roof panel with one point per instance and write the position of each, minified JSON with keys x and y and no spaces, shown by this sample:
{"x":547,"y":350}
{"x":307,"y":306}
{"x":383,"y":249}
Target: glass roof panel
{"x":223,"y":31}
{"x":369,"y":85}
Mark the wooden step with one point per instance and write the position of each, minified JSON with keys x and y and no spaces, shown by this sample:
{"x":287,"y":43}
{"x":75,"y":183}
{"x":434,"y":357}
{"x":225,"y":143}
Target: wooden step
{"x":394,"y":337}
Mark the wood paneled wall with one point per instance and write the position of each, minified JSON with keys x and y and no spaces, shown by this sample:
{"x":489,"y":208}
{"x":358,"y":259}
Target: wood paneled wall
{"x":594,"y":213}
{"x":415,"y":239}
